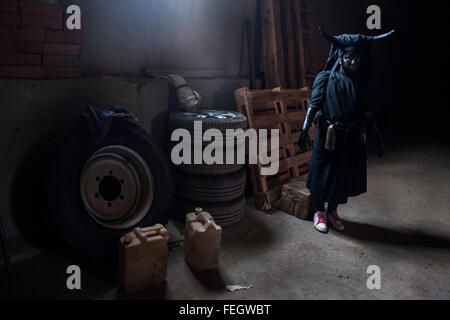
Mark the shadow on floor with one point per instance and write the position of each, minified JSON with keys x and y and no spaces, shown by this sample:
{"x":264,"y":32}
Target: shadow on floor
{"x":210,"y":279}
{"x":251,"y":230}
{"x":154,"y":293}
{"x":373,"y":233}
{"x":45,"y":276}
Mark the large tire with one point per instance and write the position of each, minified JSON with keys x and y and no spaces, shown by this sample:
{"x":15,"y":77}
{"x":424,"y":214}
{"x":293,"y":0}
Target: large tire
{"x":209,"y":188}
{"x":76,"y":220}
{"x":209,"y":169}
{"x":172,"y":128}
{"x":211,"y":119}
{"x":224,"y":213}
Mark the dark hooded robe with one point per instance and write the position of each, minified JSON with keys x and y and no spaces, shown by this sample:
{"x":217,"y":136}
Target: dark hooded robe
{"x":337,"y":174}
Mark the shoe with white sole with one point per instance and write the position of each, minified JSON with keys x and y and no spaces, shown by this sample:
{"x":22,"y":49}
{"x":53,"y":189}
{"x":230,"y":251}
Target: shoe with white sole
{"x":320,"y":221}
{"x":335,"y":221}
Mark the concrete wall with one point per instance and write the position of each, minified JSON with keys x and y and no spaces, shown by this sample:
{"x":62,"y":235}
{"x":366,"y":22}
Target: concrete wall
{"x":124,"y":36}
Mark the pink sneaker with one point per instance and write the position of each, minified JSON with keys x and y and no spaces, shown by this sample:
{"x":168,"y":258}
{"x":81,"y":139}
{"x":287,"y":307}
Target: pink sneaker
{"x":320,"y":221}
{"x":335,"y":221}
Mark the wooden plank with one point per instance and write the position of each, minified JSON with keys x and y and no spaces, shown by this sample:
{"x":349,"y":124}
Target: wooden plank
{"x":301,"y":70}
{"x":239,"y":99}
{"x":273,"y":194}
{"x":266,"y":121}
{"x":297,"y":160}
{"x":282,"y":93}
{"x":290,"y":138}
{"x":289,"y":33}
{"x":264,"y":100}
{"x":251,"y":53}
{"x":280,"y":109}
{"x":279,"y":43}
{"x":285,"y":139}
{"x":298,"y":98}
{"x":261,"y":202}
{"x":269,"y":44}
{"x":288,"y":129}
{"x":277,"y":181}
{"x":255,"y":178}
{"x":312,"y":44}
{"x":243,"y":107}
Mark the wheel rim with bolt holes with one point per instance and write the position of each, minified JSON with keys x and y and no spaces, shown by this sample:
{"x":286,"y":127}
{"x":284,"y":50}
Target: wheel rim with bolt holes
{"x":116,"y":187}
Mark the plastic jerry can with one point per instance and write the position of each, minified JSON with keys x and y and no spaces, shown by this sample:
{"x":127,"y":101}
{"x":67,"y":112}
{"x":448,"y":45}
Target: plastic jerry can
{"x":143,"y":258}
{"x":202,"y":240}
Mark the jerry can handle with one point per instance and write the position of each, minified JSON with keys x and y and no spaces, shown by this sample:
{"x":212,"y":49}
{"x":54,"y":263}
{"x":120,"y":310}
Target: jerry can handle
{"x":203,"y":217}
{"x":144,"y":234}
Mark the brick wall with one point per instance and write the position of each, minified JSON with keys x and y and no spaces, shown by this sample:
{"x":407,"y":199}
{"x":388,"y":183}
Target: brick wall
{"x":34,"y":42}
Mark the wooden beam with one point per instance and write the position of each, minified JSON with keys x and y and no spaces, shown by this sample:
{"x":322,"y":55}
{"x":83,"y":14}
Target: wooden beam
{"x":290,"y":34}
{"x":301,"y":70}
{"x":269,"y":44}
{"x":279,"y":43}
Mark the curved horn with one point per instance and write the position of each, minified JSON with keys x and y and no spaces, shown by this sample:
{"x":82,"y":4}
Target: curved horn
{"x":327,"y":36}
{"x":380,"y":36}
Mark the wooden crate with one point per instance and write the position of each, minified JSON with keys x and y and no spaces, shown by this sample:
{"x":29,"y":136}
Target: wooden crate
{"x":276,"y":109}
{"x":296,"y":199}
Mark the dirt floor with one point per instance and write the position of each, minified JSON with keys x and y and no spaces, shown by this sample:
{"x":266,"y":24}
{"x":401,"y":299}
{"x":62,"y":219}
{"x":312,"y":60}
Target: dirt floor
{"x":402,"y":225}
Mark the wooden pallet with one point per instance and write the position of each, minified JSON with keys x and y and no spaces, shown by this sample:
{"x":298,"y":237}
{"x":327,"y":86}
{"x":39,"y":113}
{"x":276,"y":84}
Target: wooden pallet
{"x":276,"y":109}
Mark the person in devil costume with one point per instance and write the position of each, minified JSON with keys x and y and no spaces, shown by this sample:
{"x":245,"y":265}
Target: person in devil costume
{"x":339,"y":108}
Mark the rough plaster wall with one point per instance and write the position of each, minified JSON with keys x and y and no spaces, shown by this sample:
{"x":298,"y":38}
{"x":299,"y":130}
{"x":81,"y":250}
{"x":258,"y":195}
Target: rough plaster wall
{"x":122,"y":37}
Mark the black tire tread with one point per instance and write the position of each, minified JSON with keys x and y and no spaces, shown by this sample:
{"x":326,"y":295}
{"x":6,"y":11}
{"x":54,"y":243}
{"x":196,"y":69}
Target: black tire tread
{"x":186,"y":120}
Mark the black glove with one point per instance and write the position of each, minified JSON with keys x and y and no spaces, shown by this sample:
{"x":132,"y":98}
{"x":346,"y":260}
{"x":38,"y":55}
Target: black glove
{"x":304,"y":140}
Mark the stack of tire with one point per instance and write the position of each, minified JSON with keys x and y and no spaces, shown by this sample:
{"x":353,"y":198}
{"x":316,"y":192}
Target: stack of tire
{"x":216,"y":188}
